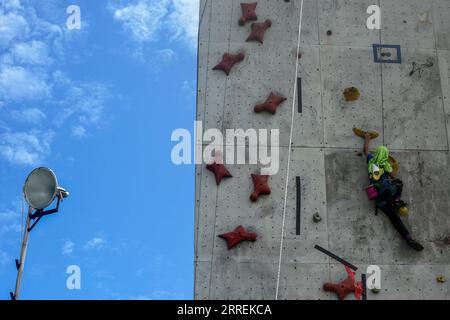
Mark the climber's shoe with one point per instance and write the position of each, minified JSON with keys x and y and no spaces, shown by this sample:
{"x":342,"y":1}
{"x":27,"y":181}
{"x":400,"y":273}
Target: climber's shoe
{"x":399,"y":203}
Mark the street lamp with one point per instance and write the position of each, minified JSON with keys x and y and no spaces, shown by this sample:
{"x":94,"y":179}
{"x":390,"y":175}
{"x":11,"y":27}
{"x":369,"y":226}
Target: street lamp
{"x":40,"y":190}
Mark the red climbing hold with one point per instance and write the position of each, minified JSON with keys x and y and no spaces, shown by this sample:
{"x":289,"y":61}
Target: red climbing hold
{"x":219,"y":170}
{"x":248,"y":13}
{"x":343,"y":288}
{"x":261,"y":186}
{"x":228,"y":61}
{"x":271,"y":104}
{"x":258,"y":30}
{"x":237,"y":236}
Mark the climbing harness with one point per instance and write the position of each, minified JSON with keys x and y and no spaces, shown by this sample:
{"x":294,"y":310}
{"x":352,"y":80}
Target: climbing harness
{"x":289,"y":151}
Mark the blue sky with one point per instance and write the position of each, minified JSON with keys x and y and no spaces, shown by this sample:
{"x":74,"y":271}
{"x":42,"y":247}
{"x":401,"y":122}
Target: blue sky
{"x":98,"y":106}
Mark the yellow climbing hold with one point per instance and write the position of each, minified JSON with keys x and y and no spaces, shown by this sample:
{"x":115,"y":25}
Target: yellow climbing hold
{"x":351,"y":94}
{"x":441,"y":279}
{"x":403,"y":211}
{"x":361,"y":133}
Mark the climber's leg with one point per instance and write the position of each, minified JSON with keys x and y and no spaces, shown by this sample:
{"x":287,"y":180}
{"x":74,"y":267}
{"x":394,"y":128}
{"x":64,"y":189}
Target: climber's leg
{"x":391,"y":212}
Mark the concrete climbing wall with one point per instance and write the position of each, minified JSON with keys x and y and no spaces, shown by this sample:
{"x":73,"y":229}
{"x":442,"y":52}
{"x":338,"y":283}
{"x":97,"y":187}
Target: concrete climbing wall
{"x":411,"y":112}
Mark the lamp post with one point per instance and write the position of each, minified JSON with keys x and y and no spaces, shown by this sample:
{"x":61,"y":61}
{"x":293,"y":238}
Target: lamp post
{"x":40,"y":190}
{"x":23,"y":252}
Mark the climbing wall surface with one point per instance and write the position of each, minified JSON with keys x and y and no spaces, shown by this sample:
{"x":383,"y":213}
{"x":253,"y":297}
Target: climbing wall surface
{"x":408,"y":103}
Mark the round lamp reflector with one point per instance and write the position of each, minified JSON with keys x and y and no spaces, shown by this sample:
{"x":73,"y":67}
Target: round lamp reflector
{"x":40,"y":188}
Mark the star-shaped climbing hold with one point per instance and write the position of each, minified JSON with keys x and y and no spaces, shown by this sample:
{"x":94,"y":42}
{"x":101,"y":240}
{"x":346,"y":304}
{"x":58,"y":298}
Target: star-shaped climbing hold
{"x":248,"y":13}
{"x":228,"y":61}
{"x":258,"y":31}
{"x":271,"y":104}
{"x":237,"y":236}
{"x":345,"y":287}
{"x":260,"y":186}
{"x":219,"y":170}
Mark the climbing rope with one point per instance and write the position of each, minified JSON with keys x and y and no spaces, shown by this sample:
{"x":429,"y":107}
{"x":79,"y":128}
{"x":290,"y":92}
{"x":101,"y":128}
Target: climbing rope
{"x":289,"y":151}
{"x":201,"y":16}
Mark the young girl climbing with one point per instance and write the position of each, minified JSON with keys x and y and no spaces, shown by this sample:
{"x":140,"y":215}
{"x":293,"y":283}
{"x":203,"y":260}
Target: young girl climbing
{"x":387,"y":189}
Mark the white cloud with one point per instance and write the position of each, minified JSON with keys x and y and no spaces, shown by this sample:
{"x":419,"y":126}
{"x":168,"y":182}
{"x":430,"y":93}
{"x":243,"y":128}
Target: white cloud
{"x":67,"y":247}
{"x":33,"y":52}
{"x":152,"y":20}
{"x":95,"y":243}
{"x":188,"y":87}
{"x":167,"y":55}
{"x":11,"y":227}
{"x":18,"y":83}
{"x":12,"y":26}
{"x":142,"y":19}
{"x":9,"y":222}
{"x":184,"y":20}
{"x":84,"y":104}
{"x":78,"y":131}
{"x":8,"y":216}
{"x":29,"y":115}
{"x":25,"y":148}
{"x":11,"y":4}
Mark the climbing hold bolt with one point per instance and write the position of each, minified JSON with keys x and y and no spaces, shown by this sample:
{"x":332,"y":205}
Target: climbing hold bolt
{"x":258,"y":31}
{"x":329,"y":33}
{"x":228,"y":61}
{"x":316,"y":217}
{"x":351,"y":94}
{"x":248,"y":13}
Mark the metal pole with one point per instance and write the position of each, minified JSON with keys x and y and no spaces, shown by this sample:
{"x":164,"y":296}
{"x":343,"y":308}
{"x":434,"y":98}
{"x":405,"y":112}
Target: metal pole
{"x":23,"y":254}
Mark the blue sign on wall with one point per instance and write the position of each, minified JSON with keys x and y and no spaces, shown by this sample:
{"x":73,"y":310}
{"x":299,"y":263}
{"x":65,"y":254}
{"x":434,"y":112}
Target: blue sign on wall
{"x":387,"y":53}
